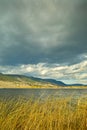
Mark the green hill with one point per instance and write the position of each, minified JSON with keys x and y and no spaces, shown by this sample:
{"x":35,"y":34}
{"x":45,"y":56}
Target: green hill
{"x":21,"y":81}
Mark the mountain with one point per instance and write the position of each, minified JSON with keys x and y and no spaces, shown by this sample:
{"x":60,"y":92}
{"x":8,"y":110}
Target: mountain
{"x":55,"y":82}
{"x":22,"y":81}
{"x":75,"y":85}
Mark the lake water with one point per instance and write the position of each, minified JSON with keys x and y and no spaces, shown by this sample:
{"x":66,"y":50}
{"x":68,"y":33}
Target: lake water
{"x":42,"y":93}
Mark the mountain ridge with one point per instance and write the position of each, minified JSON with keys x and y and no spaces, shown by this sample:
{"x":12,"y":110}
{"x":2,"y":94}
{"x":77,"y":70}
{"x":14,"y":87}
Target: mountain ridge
{"x":33,"y":81}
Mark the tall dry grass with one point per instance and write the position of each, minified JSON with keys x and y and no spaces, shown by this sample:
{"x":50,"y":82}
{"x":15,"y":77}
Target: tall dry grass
{"x":51,"y":114}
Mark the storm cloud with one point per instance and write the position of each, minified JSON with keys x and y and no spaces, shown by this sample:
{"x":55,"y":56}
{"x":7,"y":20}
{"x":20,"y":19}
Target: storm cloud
{"x":43,"y":31}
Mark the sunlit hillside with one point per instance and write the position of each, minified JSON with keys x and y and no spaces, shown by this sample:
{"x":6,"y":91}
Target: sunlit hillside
{"x":21,"y":81}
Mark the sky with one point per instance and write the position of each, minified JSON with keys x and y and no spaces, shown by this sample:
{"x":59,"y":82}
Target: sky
{"x":44,"y":38}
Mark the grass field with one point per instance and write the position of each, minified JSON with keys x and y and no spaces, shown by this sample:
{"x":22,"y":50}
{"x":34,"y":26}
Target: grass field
{"x":52,"y":114}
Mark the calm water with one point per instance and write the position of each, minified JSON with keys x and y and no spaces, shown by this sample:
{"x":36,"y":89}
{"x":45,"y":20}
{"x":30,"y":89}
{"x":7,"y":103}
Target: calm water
{"x":42,"y":93}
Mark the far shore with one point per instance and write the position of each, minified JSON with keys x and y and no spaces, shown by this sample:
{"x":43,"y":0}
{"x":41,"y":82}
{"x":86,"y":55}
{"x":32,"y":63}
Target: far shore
{"x":24,"y":85}
{"x":73,"y":87}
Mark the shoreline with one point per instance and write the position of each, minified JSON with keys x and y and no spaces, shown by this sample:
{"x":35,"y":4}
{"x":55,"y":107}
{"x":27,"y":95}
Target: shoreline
{"x":43,"y":88}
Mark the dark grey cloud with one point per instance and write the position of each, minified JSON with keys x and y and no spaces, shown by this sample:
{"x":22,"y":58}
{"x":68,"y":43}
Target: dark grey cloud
{"x":50,"y":31}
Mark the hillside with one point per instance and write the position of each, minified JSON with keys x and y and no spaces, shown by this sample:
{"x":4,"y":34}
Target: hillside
{"x":21,"y":81}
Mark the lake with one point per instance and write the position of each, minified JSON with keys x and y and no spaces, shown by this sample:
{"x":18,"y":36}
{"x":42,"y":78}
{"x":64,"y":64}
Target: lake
{"x":42,"y":93}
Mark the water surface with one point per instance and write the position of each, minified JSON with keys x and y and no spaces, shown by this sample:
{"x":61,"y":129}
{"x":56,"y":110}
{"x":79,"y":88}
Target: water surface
{"x":42,"y":93}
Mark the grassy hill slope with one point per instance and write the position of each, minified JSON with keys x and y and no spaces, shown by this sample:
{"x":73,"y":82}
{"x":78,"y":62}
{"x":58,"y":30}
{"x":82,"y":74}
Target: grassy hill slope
{"x":21,"y":81}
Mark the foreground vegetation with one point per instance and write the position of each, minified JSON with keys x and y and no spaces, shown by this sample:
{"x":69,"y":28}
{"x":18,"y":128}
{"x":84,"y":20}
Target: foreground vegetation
{"x":51,"y":114}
